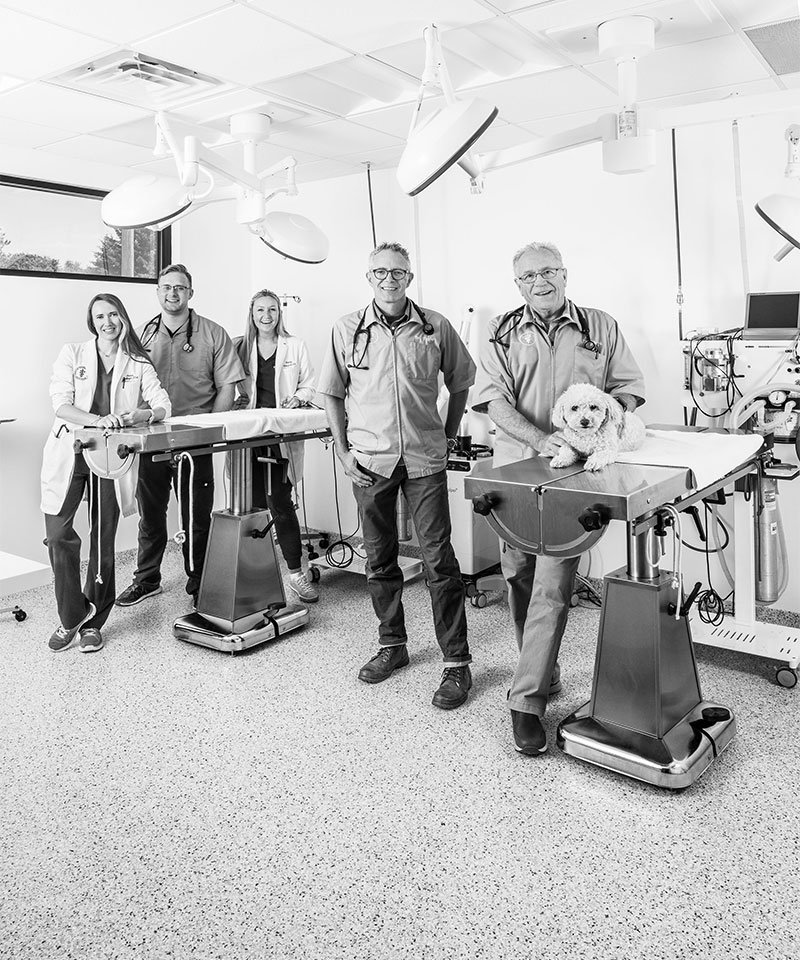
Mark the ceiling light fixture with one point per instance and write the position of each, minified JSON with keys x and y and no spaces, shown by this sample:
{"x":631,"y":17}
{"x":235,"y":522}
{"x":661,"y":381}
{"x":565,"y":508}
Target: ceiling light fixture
{"x":447,"y":136}
{"x":156,"y":202}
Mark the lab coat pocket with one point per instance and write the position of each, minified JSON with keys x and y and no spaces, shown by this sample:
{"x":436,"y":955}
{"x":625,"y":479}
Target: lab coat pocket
{"x":589,"y":367}
{"x":423,"y":358}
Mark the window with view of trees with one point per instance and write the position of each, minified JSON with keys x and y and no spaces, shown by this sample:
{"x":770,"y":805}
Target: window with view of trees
{"x":50,"y":229}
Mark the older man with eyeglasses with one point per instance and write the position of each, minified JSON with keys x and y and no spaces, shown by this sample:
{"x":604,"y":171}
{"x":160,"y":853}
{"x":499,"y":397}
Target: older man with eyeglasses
{"x":381,"y":371}
{"x":532,"y":354}
{"x":198,"y":367}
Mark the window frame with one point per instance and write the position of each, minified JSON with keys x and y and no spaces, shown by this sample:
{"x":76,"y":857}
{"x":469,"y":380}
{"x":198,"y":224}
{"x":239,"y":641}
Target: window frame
{"x":163,"y":246}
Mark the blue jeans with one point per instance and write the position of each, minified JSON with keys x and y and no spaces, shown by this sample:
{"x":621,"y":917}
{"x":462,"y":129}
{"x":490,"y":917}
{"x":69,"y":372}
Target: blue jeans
{"x":427,"y":500}
{"x":539,"y":593}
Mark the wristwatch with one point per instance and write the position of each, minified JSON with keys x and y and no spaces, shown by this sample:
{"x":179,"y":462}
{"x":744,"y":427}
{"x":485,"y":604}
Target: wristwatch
{"x":452,"y":443}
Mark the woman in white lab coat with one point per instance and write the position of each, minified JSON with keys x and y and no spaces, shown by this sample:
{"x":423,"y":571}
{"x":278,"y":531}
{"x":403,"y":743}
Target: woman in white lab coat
{"x":278,"y":374}
{"x":105,"y":382}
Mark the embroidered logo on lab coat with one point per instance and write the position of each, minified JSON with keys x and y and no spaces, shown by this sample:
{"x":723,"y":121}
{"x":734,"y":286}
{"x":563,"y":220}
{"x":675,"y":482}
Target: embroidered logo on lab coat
{"x":80,"y":373}
{"x":528,"y":336}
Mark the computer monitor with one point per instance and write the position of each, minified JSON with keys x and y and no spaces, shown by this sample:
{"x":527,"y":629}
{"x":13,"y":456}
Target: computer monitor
{"x":772,"y":316}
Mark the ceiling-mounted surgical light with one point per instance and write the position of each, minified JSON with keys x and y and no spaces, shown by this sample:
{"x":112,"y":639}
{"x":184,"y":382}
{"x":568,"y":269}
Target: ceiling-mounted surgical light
{"x":156,"y":202}
{"x":782,"y":213}
{"x":293,"y":237}
{"x":445,"y":138}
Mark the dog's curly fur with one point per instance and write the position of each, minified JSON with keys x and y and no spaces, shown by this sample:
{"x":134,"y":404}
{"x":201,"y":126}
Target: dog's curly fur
{"x":595,"y":426}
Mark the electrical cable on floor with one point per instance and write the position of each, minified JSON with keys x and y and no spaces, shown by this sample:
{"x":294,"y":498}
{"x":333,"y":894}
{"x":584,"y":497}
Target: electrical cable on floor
{"x":710,"y":605}
{"x":347,"y":552}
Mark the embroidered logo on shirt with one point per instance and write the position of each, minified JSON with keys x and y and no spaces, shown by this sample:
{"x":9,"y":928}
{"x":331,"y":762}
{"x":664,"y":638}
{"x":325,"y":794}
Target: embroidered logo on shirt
{"x":80,"y":373}
{"x":528,"y":336}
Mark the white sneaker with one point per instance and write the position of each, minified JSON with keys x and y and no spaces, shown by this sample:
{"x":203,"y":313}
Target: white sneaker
{"x":303,"y":588}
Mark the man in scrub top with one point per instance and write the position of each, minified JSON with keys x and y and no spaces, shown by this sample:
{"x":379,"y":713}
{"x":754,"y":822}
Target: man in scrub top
{"x":198,"y":367}
{"x":381,"y":369}
{"x":531,"y":356}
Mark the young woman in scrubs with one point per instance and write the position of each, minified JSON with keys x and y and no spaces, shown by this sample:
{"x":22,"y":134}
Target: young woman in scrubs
{"x":278,"y":374}
{"x":105,"y":382}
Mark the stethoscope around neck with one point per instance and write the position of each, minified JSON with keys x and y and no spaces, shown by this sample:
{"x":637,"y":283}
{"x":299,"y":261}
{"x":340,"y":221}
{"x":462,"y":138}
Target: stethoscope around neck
{"x":511,"y":320}
{"x":152,"y":327}
{"x":364,"y":329}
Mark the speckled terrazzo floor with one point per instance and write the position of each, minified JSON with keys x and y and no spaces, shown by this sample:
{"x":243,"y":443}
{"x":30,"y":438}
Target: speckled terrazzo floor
{"x":162,"y":800}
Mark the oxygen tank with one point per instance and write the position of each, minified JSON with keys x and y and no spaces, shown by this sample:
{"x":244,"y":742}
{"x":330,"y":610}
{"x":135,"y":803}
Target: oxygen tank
{"x":766,"y":522}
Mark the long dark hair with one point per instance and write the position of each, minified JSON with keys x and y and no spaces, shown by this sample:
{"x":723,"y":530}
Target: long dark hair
{"x":129,"y":341}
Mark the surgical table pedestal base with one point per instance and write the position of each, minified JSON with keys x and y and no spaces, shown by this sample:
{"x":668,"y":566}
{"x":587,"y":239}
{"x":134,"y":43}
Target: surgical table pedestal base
{"x":646,"y":718}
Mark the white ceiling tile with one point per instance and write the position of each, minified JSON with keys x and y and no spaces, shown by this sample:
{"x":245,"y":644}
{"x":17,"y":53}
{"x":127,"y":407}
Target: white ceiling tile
{"x":266,"y":155}
{"x":217,"y":111}
{"x":20,"y":133}
{"x":76,"y":112}
{"x":115,"y":21}
{"x":379,"y":159}
{"x":751,"y":13}
{"x":141,"y":132}
{"x":508,"y":6}
{"x":335,"y":138}
{"x":396,"y":121}
{"x":101,"y":150}
{"x":165,"y":167}
{"x":365,"y":25}
{"x":573,"y":13}
{"x":32,"y":49}
{"x":327,"y":169}
{"x":792,"y":80}
{"x":692,"y":66}
{"x":546,"y":95}
{"x":501,"y":135}
{"x":242,"y":45}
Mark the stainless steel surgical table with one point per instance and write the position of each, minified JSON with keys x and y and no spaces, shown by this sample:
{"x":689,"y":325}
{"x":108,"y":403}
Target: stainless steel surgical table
{"x":647,"y":717}
{"x":241,"y":602}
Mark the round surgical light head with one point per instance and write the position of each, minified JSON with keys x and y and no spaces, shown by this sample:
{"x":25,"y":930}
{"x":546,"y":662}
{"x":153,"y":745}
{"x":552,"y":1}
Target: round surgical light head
{"x":782,"y":213}
{"x":294,"y":237}
{"x":440,"y":140}
{"x":146,"y":200}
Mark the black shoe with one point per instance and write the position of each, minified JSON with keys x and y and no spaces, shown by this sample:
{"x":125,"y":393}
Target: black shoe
{"x":529,"y":735}
{"x":453,"y":688}
{"x":135,"y":593}
{"x":384,"y":664}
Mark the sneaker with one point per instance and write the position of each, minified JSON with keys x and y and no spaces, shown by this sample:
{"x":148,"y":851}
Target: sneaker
{"x":135,"y":593}
{"x":91,"y":639}
{"x":303,"y":588}
{"x":62,"y":637}
{"x":384,"y":664}
{"x":529,"y":735}
{"x":453,"y":689}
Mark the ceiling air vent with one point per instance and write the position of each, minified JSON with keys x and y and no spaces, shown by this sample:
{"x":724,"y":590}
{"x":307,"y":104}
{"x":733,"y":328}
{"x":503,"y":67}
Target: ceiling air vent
{"x":778,"y":44}
{"x":142,"y":81}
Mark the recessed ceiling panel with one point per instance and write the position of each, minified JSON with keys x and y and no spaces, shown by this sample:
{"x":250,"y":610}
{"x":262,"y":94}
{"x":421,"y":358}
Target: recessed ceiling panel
{"x":693,"y":66}
{"x":115,"y":21}
{"x":76,"y":112}
{"x":100,"y":150}
{"x":335,"y":138}
{"x":32,"y":49}
{"x":750,"y":13}
{"x":573,"y":13}
{"x":364,"y":25}
{"x":242,"y":45}
{"x":546,"y":95}
{"x":23,"y":134}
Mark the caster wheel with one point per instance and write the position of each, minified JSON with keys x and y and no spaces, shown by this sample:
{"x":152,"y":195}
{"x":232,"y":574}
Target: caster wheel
{"x":786,"y":677}
{"x":314,"y":573}
{"x":324,"y":543}
{"x":470,"y":590}
{"x":479,"y":600}
{"x":20,"y":615}
{"x":574,"y":600}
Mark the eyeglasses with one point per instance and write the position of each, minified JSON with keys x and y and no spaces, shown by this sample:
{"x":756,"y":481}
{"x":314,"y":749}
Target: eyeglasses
{"x":381,"y":273}
{"x":547,"y":274}
{"x":168,"y":287}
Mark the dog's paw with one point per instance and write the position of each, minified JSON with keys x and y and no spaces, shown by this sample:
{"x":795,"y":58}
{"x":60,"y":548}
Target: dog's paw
{"x":596,"y":462}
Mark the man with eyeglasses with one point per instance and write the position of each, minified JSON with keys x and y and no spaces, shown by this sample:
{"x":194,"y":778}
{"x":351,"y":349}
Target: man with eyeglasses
{"x":531,"y":356}
{"x":381,"y":374}
{"x":198,"y":367}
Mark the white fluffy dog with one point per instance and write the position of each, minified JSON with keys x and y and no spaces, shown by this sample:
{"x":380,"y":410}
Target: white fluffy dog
{"x":595,"y":426}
